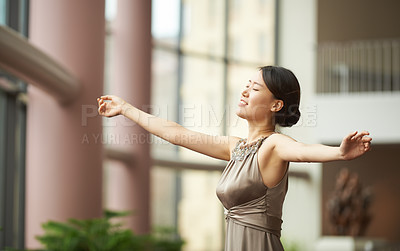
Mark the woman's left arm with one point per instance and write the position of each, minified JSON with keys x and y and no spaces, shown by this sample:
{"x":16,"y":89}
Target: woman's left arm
{"x":353,"y":146}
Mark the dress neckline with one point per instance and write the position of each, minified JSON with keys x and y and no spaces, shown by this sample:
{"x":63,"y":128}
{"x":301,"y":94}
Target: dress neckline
{"x":243,"y":142}
{"x":242,"y":148}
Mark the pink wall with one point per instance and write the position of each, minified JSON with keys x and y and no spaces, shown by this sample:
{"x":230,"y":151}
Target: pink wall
{"x":128,"y":185}
{"x":64,"y":172}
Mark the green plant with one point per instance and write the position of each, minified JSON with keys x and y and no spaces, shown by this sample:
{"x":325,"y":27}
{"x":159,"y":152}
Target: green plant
{"x":101,"y":234}
{"x":290,"y":245}
{"x":166,"y":239}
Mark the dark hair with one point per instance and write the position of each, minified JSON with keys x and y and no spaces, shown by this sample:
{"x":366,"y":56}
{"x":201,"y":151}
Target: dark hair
{"x":284,"y":86}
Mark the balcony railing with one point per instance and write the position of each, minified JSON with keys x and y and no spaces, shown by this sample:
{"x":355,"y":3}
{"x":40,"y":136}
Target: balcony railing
{"x":359,"y":66}
{"x":25,"y":61}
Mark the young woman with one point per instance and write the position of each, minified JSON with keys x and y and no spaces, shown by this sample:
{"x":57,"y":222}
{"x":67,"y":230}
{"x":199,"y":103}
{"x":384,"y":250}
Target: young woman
{"x":253,"y":185}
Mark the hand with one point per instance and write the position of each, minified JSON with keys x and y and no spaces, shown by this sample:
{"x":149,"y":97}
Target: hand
{"x":110,"y":109}
{"x":354,"y":145}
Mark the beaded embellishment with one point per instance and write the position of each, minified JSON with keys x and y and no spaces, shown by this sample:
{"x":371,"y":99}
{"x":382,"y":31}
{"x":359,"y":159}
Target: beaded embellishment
{"x":243,"y":149}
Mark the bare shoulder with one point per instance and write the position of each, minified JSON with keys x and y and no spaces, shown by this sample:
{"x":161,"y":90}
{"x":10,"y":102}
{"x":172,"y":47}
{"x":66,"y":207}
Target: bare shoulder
{"x":278,"y":138}
{"x":275,"y":141}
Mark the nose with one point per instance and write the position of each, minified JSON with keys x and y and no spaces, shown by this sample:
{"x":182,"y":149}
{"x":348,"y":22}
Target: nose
{"x":245,"y":92}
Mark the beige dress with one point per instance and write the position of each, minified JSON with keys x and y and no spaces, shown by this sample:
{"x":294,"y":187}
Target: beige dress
{"x":253,"y":211}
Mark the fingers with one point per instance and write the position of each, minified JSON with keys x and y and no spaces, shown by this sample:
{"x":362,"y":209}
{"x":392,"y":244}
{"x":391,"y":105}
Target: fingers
{"x":99,"y":110}
{"x":102,"y":108}
{"x":367,"y":146}
{"x":355,"y":136}
{"x":351,"y":135}
{"x":100,"y":101}
{"x":359,"y":135}
{"x":107,"y":97}
{"x":366,"y":139}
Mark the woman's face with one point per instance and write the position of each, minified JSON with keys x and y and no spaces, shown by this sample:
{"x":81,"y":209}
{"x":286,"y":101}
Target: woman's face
{"x":256,"y":101}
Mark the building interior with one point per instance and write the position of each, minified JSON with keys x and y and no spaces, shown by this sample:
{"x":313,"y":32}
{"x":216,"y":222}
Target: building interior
{"x":187,"y":61}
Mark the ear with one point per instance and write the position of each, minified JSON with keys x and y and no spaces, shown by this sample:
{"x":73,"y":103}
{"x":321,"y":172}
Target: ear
{"x":277,"y":105}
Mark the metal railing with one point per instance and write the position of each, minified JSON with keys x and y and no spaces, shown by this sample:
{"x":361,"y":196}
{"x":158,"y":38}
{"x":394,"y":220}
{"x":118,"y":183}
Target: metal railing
{"x":22,"y":59}
{"x":128,"y":157}
{"x":359,"y":66}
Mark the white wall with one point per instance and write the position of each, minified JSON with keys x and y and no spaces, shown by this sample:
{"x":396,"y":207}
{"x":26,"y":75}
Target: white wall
{"x":297,"y":36}
{"x":326,"y":118}
{"x":379,"y":113}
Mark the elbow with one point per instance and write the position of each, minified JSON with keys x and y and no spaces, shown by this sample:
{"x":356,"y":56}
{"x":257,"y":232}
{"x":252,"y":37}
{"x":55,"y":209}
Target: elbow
{"x":302,"y":155}
{"x":297,"y":157}
{"x":300,"y":158}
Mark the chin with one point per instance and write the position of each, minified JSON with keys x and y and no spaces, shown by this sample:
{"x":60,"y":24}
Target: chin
{"x":240,"y":113}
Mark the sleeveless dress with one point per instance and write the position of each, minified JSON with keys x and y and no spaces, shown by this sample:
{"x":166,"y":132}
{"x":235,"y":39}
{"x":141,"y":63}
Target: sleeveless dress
{"x":252,"y":210}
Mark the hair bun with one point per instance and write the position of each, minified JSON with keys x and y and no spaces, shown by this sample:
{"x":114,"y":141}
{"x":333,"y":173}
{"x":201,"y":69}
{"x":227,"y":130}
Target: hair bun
{"x":288,"y":117}
{"x":291,"y":117}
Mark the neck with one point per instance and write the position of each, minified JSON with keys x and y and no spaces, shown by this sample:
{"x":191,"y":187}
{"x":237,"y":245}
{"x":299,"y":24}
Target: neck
{"x":257,"y":131}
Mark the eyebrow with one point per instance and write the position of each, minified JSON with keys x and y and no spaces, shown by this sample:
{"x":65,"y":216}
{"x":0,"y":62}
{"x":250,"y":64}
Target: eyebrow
{"x":256,"y":83}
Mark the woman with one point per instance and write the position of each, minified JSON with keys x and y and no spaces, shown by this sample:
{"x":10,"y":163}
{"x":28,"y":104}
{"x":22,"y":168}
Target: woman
{"x":253,"y":185}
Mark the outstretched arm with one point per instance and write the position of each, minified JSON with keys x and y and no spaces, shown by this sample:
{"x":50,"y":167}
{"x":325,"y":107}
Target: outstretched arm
{"x":353,"y":146}
{"x":213,"y":146}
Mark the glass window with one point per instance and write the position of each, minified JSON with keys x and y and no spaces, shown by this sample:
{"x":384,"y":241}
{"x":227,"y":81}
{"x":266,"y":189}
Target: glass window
{"x":200,"y":217}
{"x":164,"y":96}
{"x":165,"y":22}
{"x":3,"y":13}
{"x":111,"y":10}
{"x":204,"y":52}
{"x":201,"y":107}
{"x":252,"y":32}
{"x":185,"y":199}
{"x":13,"y":14}
{"x":164,"y":197}
{"x":203,"y":27}
{"x":12,"y":161}
{"x":238,"y":76}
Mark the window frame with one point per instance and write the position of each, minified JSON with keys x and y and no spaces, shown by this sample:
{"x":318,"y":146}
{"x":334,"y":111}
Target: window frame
{"x":13,"y":109}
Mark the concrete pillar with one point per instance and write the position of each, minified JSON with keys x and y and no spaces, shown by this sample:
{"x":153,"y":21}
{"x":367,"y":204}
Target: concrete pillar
{"x":64,"y":162}
{"x":128,"y":184}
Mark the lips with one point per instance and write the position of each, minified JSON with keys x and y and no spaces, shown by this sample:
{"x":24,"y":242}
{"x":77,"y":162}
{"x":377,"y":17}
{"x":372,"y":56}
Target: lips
{"x":242,"y":102}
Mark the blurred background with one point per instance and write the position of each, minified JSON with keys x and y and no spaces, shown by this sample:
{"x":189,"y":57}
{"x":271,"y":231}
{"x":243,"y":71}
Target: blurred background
{"x":187,"y":61}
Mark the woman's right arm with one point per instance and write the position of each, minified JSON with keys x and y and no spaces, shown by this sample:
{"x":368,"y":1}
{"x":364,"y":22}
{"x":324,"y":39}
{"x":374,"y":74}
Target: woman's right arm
{"x":214,"y":146}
